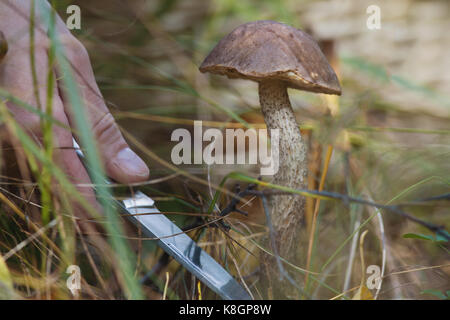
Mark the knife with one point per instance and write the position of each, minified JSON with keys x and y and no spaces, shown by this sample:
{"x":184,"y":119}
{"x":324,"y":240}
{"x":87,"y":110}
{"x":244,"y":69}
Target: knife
{"x":141,"y":210}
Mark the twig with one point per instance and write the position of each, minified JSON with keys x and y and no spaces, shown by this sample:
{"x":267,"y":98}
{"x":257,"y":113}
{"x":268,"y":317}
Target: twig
{"x":34,"y":236}
{"x":232,"y":205}
{"x":439,"y":230}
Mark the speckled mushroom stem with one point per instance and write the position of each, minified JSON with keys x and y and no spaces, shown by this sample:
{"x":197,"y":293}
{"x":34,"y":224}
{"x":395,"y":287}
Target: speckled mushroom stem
{"x":287,"y":211}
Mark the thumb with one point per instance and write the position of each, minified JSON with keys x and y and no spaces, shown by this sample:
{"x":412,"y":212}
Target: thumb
{"x":121,"y":163}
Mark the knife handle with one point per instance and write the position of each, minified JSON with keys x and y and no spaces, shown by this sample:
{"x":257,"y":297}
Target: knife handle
{"x":81,"y":156}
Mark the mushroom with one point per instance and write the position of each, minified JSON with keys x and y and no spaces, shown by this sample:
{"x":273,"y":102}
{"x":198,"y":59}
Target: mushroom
{"x":278,"y":57}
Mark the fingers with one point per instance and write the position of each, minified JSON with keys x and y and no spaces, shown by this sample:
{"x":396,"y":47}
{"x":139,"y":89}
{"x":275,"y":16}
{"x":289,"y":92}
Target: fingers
{"x":121,"y":163}
{"x":67,"y":160}
{"x":16,"y":77}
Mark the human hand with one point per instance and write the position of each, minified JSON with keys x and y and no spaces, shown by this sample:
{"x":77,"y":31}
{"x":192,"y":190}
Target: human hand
{"x":120,"y":162}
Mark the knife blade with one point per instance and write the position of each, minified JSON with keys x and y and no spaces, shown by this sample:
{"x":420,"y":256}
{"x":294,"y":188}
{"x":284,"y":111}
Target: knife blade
{"x":140,"y":209}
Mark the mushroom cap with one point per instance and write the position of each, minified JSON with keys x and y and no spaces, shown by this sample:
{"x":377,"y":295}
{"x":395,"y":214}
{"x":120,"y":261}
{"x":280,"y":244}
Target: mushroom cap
{"x":269,"y":50}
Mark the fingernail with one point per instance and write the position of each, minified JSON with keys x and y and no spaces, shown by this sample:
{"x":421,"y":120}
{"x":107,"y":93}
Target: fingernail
{"x":130,"y":164}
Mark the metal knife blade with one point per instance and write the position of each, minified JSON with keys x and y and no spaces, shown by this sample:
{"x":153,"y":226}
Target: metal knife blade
{"x":140,"y":209}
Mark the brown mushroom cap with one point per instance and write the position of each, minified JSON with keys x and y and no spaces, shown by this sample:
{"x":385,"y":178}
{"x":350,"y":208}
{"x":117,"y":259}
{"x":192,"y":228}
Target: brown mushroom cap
{"x":264,"y":50}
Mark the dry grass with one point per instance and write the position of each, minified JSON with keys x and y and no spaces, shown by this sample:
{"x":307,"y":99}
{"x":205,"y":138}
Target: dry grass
{"x":145,"y":56}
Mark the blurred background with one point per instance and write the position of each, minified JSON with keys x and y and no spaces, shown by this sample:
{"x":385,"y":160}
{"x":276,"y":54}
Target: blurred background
{"x":389,"y":131}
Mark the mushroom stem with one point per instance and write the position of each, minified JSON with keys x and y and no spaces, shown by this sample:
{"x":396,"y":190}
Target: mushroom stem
{"x":287,"y":211}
